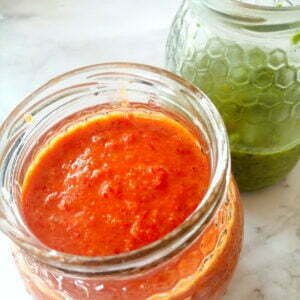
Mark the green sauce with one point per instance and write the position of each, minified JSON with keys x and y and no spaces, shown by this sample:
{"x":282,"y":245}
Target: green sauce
{"x":258,"y":95}
{"x":258,"y":170}
{"x":296,"y":38}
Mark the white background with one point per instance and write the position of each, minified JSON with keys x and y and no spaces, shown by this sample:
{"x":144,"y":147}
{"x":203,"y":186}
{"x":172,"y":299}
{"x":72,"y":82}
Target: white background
{"x":40,"y":39}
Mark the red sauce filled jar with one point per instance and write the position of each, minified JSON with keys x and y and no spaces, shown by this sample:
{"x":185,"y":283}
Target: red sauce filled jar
{"x":194,"y":260}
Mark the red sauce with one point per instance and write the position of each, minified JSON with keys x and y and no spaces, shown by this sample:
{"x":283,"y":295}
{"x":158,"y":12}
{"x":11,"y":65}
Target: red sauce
{"x":114,"y":183}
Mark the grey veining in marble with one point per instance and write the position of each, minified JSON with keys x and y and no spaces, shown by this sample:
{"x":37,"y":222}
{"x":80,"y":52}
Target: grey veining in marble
{"x":40,"y":39}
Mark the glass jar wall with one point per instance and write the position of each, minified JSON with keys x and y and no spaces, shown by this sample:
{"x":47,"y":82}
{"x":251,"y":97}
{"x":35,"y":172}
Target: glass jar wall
{"x":201,"y":271}
{"x":195,"y":261}
{"x":246,"y":58}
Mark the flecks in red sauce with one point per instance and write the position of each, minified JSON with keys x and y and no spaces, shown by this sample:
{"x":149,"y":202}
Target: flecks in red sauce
{"x":114,"y":184}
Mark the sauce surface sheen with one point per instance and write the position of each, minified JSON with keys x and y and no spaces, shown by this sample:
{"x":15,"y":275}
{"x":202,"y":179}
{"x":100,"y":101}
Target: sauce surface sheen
{"x":114,"y":183}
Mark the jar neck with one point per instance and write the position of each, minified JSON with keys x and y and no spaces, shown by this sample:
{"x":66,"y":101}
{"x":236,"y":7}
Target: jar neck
{"x":259,"y":17}
{"x":78,"y":95}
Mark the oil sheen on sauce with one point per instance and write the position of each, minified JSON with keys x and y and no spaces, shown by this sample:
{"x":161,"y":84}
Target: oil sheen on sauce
{"x":114,"y":183}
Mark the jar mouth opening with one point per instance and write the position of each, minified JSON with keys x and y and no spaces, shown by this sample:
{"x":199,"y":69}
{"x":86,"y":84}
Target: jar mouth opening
{"x":277,"y":7}
{"x":256,"y":6}
{"x":252,"y":14}
{"x":157,"y":251}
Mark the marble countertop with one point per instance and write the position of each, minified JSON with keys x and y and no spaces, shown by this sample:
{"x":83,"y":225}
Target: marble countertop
{"x":40,"y":39}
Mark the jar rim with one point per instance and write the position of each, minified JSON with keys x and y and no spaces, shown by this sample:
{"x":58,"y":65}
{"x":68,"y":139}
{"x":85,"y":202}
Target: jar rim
{"x":254,"y":6}
{"x":251,"y":14}
{"x":155,"y":252}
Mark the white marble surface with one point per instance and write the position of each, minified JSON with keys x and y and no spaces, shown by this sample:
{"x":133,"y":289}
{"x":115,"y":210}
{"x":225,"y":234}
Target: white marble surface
{"x":40,"y":39}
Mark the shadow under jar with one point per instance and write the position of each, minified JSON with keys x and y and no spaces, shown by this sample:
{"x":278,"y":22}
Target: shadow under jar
{"x":194,"y":261}
{"x":246,"y":58}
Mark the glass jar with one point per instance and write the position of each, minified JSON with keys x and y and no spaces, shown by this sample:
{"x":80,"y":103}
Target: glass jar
{"x":195,"y":261}
{"x":246,"y":58}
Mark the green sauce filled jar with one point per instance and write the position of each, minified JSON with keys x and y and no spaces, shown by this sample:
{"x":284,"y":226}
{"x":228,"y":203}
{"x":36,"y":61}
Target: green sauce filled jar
{"x":245,"y":55}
